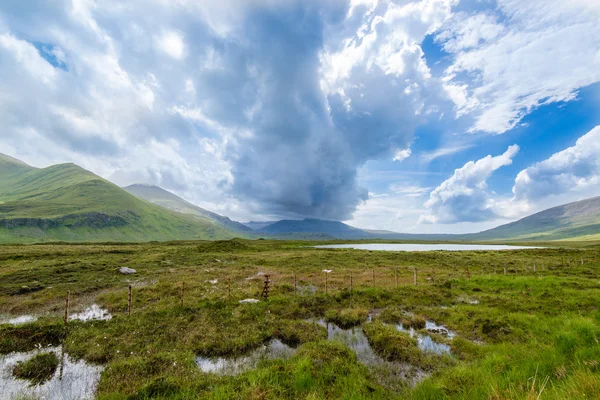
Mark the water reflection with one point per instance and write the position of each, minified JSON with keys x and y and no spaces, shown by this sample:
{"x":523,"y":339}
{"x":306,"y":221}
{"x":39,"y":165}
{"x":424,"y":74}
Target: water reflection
{"x":72,"y":380}
{"x":423,"y":247}
{"x":273,"y":350}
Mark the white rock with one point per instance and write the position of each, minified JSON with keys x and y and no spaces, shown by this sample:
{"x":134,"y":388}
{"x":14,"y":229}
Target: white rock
{"x":127,"y":271}
{"x":250,"y":301}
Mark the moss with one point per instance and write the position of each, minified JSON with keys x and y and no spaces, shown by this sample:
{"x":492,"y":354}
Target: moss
{"x":294,"y":333}
{"x":38,"y":369}
{"x":391,"y":344}
{"x":347,"y":318}
{"x":27,"y":337}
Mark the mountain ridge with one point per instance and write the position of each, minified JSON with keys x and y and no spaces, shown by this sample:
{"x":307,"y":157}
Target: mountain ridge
{"x":164,"y":198}
{"x":65,"y":202}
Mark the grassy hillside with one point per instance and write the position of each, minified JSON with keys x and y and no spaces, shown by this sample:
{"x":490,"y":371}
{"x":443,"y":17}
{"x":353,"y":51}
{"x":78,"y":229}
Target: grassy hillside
{"x":168,"y":200}
{"x":66,"y":202}
{"x":575,"y":221}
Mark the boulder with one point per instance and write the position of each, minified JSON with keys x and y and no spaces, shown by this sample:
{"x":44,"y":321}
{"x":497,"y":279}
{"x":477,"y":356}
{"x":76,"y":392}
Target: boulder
{"x":127,"y":271}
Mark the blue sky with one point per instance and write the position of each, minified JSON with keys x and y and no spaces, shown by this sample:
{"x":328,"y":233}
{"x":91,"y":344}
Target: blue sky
{"x":415,"y":116}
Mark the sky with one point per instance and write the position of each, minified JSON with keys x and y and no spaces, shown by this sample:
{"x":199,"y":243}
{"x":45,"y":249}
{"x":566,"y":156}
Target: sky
{"x":430,"y":116}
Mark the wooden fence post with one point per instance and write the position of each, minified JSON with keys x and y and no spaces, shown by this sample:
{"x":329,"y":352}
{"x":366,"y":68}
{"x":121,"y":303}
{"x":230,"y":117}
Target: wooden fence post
{"x":373,"y":279}
{"x":229,"y":288}
{"x":129,"y":302}
{"x":396,"y":273}
{"x":504,"y":268}
{"x":415,"y":275}
{"x":295,"y":284}
{"x":67,"y":307}
{"x":182,"y":292}
{"x":326,"y":282}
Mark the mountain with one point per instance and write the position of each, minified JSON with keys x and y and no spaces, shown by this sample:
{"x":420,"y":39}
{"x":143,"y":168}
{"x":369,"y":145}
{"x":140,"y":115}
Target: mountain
{"x":309,"y":225}
{"x":579,"y":220}
{"x":66,"y":202}
{"x":166,"y":199}
{"x":258,"y":225}
{"x":315,"y":227}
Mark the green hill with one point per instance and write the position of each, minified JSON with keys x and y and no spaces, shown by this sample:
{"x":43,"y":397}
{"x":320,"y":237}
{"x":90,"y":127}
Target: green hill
{"x":65,"y":202}
{"x":168,"y":200}
{"x":579,"y":220}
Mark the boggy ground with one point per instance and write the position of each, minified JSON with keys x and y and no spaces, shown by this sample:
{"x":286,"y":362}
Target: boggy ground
{"x":532,"y":333}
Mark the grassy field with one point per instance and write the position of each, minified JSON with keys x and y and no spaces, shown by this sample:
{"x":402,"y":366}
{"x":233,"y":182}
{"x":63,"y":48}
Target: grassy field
{"x":531,"y":333}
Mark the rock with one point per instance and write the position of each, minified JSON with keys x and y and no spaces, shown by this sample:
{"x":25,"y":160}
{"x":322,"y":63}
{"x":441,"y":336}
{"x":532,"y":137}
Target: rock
{"x":249,"y":301}
{"x":439,"y":331}
{"x":127,"y":271}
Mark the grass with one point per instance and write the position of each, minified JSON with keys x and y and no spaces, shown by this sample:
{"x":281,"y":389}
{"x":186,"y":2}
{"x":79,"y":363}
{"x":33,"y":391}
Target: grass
{"x":38,"y":369}
{"x":67,"y":203}
{"x":526,"y":334}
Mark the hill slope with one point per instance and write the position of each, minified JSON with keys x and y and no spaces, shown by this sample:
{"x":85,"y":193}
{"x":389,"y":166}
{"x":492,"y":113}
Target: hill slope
{"x":573,"y":220}
{"x":66,"y":202}
{"x":168,"y":200}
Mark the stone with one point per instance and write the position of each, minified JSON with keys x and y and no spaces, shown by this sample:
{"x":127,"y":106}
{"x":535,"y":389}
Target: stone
{"x":127,"y":271}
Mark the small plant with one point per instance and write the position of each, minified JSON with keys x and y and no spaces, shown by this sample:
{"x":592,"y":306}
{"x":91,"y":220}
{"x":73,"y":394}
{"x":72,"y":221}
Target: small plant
{"x":38,"y":369}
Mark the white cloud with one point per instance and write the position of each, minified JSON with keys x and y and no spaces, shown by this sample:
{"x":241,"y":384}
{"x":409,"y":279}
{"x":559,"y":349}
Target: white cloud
{"x":172,"y":44}
{"x":569,"y":175}
{"x":539,"y":52}
{"x":429,"y":156}
{"x":402,"y":154}
{"x":464,"y":197}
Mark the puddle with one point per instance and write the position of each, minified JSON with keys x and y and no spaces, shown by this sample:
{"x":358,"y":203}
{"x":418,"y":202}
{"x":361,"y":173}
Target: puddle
{"x":93,"y":312}
{"x":72,"y":379}
{"x":425,"y":342}
{"x":20,"y":320}
{"x":388,"y":373}
{"x":273,"y":350}
{"x":432,"y":327}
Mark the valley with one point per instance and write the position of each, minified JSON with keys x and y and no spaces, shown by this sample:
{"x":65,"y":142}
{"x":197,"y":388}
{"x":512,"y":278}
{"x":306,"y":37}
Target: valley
{"x":508,"y":324}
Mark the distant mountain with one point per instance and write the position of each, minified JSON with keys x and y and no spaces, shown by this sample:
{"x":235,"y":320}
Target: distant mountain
{"x":66,"y":202}
{"x":166,"y":199}
{"x":574,"y":220}
{"x":309,"y":225}
{"x":257,"y":225}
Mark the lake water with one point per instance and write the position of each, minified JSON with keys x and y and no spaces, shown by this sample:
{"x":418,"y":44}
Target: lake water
{"x":424,"y":247}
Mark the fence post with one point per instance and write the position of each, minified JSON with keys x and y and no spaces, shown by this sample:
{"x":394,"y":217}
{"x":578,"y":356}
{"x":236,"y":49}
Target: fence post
{"x":415,"y":275}
{"x":295,"y":284}
{"x":326,"y":282}
{"x":504,"y":268}
{"x":373,"y":278}
{"x":396,"y":273}
{"x":129,"y":302}
{"x":229,"y":288}
{"x":67,"y":307}
{"x":182,"y":292}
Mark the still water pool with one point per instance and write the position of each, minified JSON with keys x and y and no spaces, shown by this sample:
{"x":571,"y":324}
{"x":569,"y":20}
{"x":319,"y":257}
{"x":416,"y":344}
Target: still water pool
{"x":424,"y":247}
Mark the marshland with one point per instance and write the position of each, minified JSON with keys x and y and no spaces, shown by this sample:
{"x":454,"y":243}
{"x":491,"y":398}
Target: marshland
{"x":518,"y":324}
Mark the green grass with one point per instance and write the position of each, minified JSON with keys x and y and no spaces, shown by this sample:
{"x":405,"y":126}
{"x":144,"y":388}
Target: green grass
{"x":519,"y":334}
{"x":67,"y":203}
{"x":37,"y":369}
